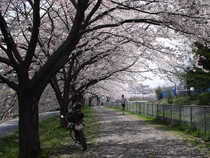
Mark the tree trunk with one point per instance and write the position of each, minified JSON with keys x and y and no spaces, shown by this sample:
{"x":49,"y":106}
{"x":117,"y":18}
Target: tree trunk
{"x":78,"y":98}
{"x":66,"y":97}
{"x":63,"y":111}
{"x":29,"y":144}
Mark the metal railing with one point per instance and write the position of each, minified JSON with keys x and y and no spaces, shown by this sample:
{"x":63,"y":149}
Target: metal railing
{"x":198,"y":116}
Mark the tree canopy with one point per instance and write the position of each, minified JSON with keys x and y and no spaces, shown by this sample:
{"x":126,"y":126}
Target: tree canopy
{"x":198,"y":76}
{"x":39,"y":37}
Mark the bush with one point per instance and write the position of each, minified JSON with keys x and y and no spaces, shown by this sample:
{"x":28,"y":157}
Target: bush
{"x":204,"y":99}
{"x":158,"y":93}
{"x":184,"y":100}
{"x":207,"y":138}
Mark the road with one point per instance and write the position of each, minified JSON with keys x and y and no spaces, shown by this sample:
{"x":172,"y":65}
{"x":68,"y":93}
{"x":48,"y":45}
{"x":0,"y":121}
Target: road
{"x":8,"y":127}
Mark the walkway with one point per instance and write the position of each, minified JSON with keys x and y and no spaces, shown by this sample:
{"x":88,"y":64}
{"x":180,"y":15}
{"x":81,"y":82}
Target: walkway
{"x":125,"y":137}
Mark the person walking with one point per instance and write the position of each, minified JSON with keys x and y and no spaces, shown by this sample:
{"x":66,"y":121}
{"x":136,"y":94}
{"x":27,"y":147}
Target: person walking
{"x":123,"y":101}
{"x":102,"y":102}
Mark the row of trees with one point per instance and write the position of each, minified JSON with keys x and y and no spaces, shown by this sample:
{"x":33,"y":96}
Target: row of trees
{"x":72,"y":45}
{"x":196,"y":75}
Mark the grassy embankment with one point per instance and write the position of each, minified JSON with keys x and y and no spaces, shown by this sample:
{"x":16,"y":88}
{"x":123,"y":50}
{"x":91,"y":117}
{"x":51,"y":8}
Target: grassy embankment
{"x":55,"y":140}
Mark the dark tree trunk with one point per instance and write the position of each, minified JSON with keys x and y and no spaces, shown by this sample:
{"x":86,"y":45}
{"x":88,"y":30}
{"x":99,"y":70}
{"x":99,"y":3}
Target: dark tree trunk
{"x":29,"y":144}
{"x":29,"y":89}
{"x":108,"y":99}
{"x":78,"y":98}
{"x":98,"y":100}
{"x":66,"y":97}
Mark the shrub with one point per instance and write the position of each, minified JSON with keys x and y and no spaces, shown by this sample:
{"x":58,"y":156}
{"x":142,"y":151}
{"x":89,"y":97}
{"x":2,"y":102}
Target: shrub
{"x":207,"y":137}
{"x":158,"y":93}
{"x":204,"y":99}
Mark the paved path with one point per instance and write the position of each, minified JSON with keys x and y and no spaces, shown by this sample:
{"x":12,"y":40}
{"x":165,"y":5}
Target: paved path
{"x":8,"y":127}
{"x":125,"y":137}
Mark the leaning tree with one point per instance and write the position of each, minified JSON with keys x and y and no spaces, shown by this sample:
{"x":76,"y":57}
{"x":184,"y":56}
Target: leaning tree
{"x":34,"y":45}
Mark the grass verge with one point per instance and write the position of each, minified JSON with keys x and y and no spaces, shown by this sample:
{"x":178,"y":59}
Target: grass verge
{"x":55,"y":140}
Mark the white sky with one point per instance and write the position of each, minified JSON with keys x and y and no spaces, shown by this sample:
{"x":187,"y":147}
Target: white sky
{"x":156,"y":82}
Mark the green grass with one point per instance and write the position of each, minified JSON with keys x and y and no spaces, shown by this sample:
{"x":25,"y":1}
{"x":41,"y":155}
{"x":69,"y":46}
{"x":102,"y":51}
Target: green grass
{"x":193,"y":99}
{"x":9,"y":146}
{"x":55,"y":140}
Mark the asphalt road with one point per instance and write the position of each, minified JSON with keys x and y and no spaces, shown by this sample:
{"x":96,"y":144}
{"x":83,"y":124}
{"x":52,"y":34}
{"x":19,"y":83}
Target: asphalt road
{"x":8,"y":127}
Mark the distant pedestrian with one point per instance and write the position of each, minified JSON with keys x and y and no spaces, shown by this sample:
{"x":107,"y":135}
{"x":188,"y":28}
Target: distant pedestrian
{"x":123,"y":101}
{"x":102,"y":102}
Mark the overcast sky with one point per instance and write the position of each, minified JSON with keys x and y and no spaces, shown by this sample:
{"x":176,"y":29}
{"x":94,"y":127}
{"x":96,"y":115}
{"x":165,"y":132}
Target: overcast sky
{"x":156,"y":81}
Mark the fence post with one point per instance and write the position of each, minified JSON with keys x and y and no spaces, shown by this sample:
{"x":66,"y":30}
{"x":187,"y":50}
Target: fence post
{"x":140,"y":108}
{"x":191,"y":116}
{"x":147,"y":109}
{"x":205,"y":119}
{"x":180,"y":115}
{"x":136,"y":108}
{"x":163,"y":112}
{"x":157,"y":110}
{"x":129,"y":108}
{"x":152,"y":109}
{"x":171,"y":114}
{"x":133,"y":108}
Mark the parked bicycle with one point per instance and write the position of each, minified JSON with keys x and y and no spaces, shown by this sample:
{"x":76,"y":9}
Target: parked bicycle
{"x":74,"y":122}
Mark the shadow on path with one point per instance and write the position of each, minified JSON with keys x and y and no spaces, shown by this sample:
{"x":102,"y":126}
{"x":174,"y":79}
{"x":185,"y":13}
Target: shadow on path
{"x":123,"y":137}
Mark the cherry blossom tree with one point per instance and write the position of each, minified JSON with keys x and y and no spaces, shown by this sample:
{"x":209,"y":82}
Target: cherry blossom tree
{"x":39,"y":37}
{"x":8,"y":102}
{"x":87,"y":70}
{"x":20,"y":51}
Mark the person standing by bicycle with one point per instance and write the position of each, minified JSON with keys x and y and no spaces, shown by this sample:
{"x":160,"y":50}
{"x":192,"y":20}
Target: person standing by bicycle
{"x":123,"y":101}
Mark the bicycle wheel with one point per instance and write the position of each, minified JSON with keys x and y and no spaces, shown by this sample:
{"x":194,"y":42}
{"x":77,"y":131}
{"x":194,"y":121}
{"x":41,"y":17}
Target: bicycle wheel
{"x":82,"y":140}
